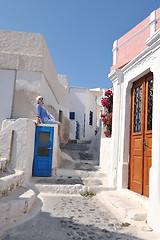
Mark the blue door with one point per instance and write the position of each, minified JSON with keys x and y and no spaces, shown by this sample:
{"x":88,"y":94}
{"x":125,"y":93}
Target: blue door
{"x":77,"y":130}
{"x":42,"y":165}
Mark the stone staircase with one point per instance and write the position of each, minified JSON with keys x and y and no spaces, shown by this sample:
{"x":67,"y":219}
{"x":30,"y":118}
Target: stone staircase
{"x":82,"y":174}
{"x":70,"y":182}
{"x":16,"y":199}
{"x":78,"y":173}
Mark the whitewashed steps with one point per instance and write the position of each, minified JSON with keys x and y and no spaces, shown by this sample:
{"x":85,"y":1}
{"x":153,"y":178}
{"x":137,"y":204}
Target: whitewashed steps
{"x":15,"y":207}
{"x":11,"y":182}
{"x":68,"y":184}
{"x":3,"y":164}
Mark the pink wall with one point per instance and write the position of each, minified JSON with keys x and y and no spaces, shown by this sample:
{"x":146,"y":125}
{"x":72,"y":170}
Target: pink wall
{"x":158,"y":22}
{"x":135,"y":45}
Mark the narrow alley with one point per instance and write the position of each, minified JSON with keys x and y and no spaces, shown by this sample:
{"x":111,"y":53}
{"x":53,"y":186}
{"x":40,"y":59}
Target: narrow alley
{"x":76,"y":215}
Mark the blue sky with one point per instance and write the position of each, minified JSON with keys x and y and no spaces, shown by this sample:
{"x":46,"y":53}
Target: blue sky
{"x":79,"y":33}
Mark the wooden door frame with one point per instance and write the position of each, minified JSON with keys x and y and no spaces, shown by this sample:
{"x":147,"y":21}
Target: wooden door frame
{"x":138,"y":82}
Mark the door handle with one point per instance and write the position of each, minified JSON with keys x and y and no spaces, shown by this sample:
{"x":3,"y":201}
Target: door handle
{"x":49,"y":148}
{"x":145,"y":145}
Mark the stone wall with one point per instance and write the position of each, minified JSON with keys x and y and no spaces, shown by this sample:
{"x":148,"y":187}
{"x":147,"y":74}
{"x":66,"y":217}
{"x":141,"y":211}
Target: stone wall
{"x":22,"y":145}
{"x":7,"y":81}
{"x":21,"y":154}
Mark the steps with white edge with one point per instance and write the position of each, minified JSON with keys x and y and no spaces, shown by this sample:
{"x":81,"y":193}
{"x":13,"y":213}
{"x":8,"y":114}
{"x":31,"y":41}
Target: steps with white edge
{"x":3,"y":164}
{"x":15,"y":207}
{"x":11,"y":182}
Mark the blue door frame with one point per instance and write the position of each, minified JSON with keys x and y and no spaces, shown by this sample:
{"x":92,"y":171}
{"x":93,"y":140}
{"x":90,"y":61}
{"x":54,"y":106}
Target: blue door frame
{"x":42,"y":165}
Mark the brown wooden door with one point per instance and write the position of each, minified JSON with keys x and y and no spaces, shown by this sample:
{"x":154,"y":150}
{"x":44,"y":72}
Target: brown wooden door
{"x":141,"y":134}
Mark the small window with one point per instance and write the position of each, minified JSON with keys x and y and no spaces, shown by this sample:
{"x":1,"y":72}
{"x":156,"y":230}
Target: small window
{"x":91,"y":118}
{"x":72,"y":115}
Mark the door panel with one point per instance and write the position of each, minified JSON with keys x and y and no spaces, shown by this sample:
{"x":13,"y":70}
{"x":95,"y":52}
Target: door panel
{"x":43,"y":151}
{"x":141,"y":134}
{"x":148,"y":134}
{"x":136,"y":161}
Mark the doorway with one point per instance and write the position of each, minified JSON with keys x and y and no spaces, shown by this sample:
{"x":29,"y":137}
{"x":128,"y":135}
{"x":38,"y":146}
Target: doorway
{"x":42,"y":165}
{"x":141,"y":134}
{"x":60,"y":116}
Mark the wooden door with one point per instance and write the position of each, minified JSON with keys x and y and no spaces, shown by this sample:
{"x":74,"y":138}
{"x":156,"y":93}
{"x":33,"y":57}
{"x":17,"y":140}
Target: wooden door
{"x":141,"y":134}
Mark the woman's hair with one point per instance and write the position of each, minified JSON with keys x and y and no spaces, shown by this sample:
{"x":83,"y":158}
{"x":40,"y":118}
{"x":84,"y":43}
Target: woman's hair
{"x":37,"y":98}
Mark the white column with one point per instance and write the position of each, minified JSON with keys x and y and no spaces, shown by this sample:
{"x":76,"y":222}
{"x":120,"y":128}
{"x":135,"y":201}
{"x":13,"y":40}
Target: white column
{"x":152,"y":23}
{"x":115,"y":52}
{"x":116,"y":77}
{"x":154,"y":184}
{"x":124,"y":135}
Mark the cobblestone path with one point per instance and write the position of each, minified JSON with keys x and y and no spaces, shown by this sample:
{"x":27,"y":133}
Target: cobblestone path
{"x":74,"y":217}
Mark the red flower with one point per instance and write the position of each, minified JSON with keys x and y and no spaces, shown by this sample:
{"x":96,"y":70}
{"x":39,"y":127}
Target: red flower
{"x":107,"y":122}
{"x":108,"y":93}
{"x":105,"y":102}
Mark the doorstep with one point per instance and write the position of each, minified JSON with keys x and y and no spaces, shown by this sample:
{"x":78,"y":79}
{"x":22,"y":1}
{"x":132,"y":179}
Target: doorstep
{"x":125,"y":202}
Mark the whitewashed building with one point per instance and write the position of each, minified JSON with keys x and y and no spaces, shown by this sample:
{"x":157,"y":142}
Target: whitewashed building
{"x":83,"y":113}
{"x":131,"y":157}
{"x":26,"y":71}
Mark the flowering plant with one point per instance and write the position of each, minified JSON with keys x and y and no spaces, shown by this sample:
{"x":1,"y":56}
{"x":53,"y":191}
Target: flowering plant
{"x":108,"y":100}
{"x":107,"y":117}
{"x":105,"y":102}
{"x":107,"y":122}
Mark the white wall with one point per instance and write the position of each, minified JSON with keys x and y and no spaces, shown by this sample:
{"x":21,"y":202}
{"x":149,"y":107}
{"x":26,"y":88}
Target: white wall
{"x":72,"y":129}
{"x":60,"y":92}
{"x":77,"y":106}
{"x":62,"y":78}
{"x":91,"y":105}
{"x":23,"y":144}
{"x":7,"y":79}
{"x":33,"y":74}
{"x":82,"y":101}
{"x":147,"y":61}
{"x":27,"y":88}
{"x":22,"y":154}
{"x":105,"y":154}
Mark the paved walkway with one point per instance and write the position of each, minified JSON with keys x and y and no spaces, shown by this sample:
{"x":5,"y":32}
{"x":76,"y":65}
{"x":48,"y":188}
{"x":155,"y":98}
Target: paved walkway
{"x":75,"y":217}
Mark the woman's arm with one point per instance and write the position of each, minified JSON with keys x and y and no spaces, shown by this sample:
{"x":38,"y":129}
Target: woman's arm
{"x":37,"y":120}
{"x":38,"y":112}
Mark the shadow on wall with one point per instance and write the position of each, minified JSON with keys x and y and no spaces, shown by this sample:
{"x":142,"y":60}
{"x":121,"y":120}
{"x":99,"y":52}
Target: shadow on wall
{"x":66,"y":128}
{"x":24,"y":104}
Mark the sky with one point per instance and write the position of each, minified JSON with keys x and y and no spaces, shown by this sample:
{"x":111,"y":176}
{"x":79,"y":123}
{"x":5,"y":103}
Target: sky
{"x":79,"y":33}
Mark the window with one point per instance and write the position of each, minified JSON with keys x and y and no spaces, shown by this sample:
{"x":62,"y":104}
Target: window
{"x":72,"y":115}
{"x":91,"y":118}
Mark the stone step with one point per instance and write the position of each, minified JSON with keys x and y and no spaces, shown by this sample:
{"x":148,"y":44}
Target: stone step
{"x":84,"y":146}
{"x":15,"y":207}
{"x":3,"y":164}
{"x":11,"y":182}
{"x":125,"y":202}
{"x":69,"y":189}
{"x":68,"y":185}
{"x":65,"y":173}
